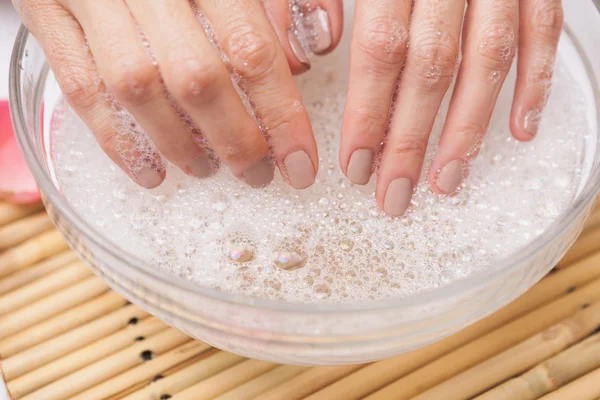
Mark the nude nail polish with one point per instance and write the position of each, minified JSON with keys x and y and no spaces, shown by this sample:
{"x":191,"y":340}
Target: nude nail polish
{"x":450,"y":177}
{"x":531,"y":121}
{"x":397,"y":197}
{"x":297,"y":49}
{"x":300,"y":170}
{"x":360,"y":166}
{"x":260,"y":174}
{"x":202,"y":167}
{"x":149,"y":178}
{"x":322,"y":30}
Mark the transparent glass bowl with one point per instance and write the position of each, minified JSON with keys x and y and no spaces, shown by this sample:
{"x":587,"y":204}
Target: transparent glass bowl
{"x":321,"y":334}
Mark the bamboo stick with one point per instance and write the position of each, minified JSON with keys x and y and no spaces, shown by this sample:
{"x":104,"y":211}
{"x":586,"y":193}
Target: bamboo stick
{"x":186,"y":377}
{"x":585,"y":388}
{"x":225,"y":380}
{"x":77,"y":338}
{"x":47,"y":307}
{"x":23,"y":229}
{"x":381,"y":373}
{"x":45,"y":286}
{"x":264,"y":382}
{"x":520,"y":358}
{"x":166,"y":373}
{"x":108,"y":367}
{"x":551,"y":374}
{"x":32,"y":251}
{"x":487,"y":346}
{"x":23,"y":277}
{"x":12,"y":212}
{"x":83,"y":357}
{"x":309,"y":382}
{"x":61,"y":323}
{"x":584,"y":246}
{"x":144,"y":372}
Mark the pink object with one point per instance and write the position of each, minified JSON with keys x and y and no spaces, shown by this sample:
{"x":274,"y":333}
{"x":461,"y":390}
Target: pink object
{"x":16,"y":182}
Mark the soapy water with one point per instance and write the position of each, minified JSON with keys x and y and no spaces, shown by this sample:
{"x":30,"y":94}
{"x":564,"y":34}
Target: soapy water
{"x":331,"y":243}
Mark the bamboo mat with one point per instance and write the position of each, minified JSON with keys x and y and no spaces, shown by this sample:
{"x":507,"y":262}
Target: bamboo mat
{"x":65,"y":335}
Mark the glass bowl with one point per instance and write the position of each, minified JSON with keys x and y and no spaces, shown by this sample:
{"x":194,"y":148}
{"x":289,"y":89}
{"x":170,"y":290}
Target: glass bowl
{"x":315,"y":334}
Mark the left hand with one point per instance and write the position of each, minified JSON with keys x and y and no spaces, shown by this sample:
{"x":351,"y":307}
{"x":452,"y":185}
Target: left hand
{"x":418,"y":42}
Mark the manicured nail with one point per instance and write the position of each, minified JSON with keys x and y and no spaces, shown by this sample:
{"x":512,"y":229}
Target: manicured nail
{"x":397,"y":197}
{"x":360,"y":166}
{"x":149,"y":178}
{"x":300,"y":170}
{"x":531,"y":121}
{"x":260,"y":174}
{"x":450,"y":177}
{"x":322,"y":31}
{"x":202,"y":167}
{"x":297,"y":49}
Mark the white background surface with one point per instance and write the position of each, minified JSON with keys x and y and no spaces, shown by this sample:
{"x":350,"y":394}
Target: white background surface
{"x":9,"y":24}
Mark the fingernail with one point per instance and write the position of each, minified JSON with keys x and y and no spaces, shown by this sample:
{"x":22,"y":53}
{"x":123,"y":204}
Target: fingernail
{"x":300,"y":170}
{"x":531,"y":121}
{"x":397,"y":197}
{"x":202,"y":167}
{"x":260,"y":174}
{"x":322,"y":30}
{"x":360,"y":166}
{"x":149,"y":178}
{"x":450,"y":177}
{"x":297,"y":49}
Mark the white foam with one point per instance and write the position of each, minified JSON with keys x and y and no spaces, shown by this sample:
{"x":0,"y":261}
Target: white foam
{"x":332,"y":240}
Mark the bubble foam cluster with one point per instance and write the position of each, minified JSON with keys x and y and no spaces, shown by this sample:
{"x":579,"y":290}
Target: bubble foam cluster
{"x":331,"y":243}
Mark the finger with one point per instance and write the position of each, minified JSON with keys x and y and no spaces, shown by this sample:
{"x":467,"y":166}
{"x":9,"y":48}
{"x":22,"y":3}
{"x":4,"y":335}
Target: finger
{"x":378,"y":51}
{"x":199,"y":81}
{"x":430,"y":65}
{"x":63,"y":42}
{"x":250,"y":44}
{"x":541,"y":25}
{"x":488,"y":53}
{"x":127,"y":70}
{"x":305,"y":30}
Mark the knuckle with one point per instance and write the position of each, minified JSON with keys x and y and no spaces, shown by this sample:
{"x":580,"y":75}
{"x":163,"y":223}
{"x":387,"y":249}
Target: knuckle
{"x":548,"y":17}
{"x":107,"y":140}
{"x":252,"y":53}
{"x":193,"y":83}
{"x":78,"y":86}
{"x":384,"y":41}
{"x":433,"y":58}
{"x":370,"y":120}
{"x":244,"y":149}
{"x":131,"y":81}
{"x":469,"y":140}
{"x":288,"y":112}
{"x":497,"y":45}
{"x":411,"y":146}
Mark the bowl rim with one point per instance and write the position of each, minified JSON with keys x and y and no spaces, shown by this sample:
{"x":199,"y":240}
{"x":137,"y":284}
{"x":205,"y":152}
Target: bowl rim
{"x":501,"y":266}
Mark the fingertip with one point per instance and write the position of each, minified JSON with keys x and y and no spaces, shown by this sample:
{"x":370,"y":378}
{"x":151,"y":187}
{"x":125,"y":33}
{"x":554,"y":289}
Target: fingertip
{"x":149,"y":178}
{"x":329,"y":24}
{"x":524,"y":123}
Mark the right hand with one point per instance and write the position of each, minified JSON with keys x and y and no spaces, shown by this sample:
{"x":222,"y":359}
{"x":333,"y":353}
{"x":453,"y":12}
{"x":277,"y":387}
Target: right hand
{"x":95,"y":48}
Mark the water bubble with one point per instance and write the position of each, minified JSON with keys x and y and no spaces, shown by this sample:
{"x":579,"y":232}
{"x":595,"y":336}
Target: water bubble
{"x":291,"y":260}
{"x":346,"y":244}
{"x":322,"y":291}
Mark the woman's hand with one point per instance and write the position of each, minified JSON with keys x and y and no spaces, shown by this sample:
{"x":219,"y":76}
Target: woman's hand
{"x":95,"y":48}
{"x":419,"y":41}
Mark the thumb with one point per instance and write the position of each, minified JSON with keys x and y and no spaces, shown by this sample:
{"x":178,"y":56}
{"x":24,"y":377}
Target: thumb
{"x":305,"y":28}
